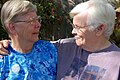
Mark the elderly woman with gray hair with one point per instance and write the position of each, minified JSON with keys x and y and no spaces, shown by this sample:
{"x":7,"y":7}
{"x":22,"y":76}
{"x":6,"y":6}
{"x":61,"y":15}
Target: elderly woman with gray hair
{"x":29,"y":58}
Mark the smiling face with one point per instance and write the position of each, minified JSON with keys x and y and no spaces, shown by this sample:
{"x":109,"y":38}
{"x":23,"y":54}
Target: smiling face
{"x":26,"y":27}
{"x":83,"y":36}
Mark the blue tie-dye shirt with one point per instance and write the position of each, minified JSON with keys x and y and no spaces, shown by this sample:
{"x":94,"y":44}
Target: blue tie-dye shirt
{"x":39,"y":64}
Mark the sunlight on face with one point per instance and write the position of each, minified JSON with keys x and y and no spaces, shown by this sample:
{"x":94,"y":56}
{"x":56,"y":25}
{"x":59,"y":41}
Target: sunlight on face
{"x":83,"y":36}
{"x":28,"y":32}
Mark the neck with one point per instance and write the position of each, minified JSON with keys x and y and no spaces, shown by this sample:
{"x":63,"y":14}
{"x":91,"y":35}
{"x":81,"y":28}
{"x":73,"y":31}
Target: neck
{"x":98,"y":45}
{"x":22,"y":46}
{"x":103,"y":46}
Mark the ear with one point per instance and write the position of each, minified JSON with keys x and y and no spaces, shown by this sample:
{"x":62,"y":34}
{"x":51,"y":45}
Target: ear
{"x":100,"y":30}
{"x":11,"y":28}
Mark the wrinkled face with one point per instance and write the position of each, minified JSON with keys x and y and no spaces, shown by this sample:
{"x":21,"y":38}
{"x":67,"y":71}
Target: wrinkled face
{"x":27,"y":27}
{"x":83,"y":36}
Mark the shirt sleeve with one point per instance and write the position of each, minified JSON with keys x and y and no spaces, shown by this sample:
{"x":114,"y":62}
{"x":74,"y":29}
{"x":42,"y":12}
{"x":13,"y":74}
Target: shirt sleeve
{"x":62,"y":42}
{"x":1,"y":68}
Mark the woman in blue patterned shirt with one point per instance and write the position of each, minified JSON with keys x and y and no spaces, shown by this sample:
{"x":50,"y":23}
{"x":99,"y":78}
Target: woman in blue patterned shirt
{"x":29,"y":58}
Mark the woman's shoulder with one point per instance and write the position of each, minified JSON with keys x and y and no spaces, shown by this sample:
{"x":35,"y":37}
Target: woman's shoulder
{"x":67,"y":40}
{"x":44,"y":44}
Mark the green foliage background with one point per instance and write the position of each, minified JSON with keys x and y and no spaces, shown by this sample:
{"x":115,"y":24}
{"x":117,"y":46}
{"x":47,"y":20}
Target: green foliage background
{"x":56,"y":22}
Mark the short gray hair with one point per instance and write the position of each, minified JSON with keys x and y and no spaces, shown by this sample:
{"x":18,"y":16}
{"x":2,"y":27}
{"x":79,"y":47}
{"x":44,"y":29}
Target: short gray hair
{"x":99,"y":12}
{"x":12,"y":8}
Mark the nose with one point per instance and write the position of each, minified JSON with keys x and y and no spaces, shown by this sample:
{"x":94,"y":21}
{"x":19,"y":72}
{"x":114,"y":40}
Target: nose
{"x":38,"y":24}
{"x":73,"y":31}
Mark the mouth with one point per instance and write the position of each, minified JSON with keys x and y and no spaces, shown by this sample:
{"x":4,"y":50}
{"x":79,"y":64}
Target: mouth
{"x":77,"y":37}
{"x":35,"y":33}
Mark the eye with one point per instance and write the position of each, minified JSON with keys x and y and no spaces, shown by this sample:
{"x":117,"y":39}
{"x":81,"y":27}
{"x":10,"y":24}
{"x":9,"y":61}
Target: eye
{"x":34,"y":19}
{"x":75,"y":26}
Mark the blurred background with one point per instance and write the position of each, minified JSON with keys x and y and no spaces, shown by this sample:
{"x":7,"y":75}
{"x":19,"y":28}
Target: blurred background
{"x":56,"y":23}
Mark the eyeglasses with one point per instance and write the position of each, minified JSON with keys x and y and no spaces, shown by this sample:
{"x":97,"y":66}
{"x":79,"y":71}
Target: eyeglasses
{"x":78,"y":27}
{"x":32,"y":20}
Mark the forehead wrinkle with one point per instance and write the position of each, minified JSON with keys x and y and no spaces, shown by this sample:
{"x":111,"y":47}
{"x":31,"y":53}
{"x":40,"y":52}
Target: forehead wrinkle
{"x":26,"y":16}
{"x":81,"y":18}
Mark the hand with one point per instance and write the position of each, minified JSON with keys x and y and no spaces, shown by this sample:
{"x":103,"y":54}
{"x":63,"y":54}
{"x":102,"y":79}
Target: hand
{"x":3,"y":46}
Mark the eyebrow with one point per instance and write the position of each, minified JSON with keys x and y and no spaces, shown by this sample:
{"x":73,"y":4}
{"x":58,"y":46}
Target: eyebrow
{"x":30,"y":19}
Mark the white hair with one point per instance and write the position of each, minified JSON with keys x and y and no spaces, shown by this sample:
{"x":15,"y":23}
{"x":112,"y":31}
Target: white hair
{"x":79,"y":8}
{"x":99,"y":12}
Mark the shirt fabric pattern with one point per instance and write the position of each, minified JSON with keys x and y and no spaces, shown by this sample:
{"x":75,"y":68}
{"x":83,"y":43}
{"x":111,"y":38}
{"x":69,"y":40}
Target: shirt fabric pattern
{"x":39,"y":64}
{"x":92,"y":73}
{"x":75,"y":63}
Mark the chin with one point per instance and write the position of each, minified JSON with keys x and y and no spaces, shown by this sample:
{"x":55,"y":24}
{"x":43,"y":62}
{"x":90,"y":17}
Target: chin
{"x":78,"y":42}
{"x":34,"y":39}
